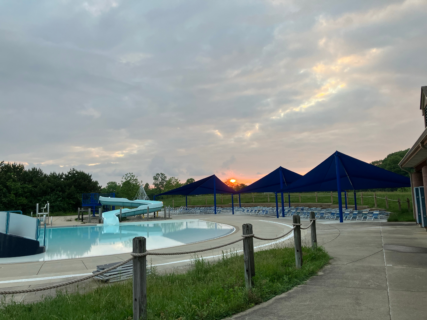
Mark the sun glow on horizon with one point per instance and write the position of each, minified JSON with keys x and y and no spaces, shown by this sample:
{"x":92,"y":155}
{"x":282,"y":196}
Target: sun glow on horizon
{"x":232,"y":180}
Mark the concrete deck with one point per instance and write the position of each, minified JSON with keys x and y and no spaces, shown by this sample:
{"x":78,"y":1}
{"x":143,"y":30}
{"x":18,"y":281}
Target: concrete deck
{"x":363,"y":281}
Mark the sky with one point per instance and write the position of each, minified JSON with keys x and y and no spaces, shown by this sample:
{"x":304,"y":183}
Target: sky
{"x":192,"y":88}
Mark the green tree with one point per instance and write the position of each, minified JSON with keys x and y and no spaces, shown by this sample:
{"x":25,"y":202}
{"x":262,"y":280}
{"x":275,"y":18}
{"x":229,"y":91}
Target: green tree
{"x":22,"y":189}
{"x":239,"y":187}
{"x":112,"y":186}
{"x":189,"y":180}
{"x":172,"y":183}
{"x":391,"y":162}
{"x":129,"y":186}
{"x":159,"y":182}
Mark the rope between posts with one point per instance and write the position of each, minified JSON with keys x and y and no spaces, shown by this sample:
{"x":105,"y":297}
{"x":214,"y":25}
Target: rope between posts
{"x":303,"y":228}
{"x":185,"y":252}
{"x":267,"y":239}
{"x":138,"y":255}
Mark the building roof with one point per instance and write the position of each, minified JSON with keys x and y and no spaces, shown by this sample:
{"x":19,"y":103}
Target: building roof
{"x":423,"y":101}
{"x":418,"y":153}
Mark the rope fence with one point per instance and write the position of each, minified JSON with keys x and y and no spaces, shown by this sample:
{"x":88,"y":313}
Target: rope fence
{"x":139,"y":256}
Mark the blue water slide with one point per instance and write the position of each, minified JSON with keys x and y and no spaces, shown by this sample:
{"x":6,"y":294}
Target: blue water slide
{"x":141,"y":207}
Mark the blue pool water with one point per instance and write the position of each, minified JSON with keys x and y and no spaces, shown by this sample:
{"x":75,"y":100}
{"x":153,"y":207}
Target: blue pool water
{"x":90,"y":241}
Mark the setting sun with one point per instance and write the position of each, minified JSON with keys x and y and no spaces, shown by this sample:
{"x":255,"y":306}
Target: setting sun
{"x":232,"y":180}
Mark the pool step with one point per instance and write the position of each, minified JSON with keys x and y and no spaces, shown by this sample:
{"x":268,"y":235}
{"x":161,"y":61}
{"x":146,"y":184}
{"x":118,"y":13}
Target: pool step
{"x":121,"y":273}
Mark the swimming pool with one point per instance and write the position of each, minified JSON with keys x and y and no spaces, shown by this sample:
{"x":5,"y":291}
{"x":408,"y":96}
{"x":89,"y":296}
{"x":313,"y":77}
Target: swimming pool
{"x":100,"y":240}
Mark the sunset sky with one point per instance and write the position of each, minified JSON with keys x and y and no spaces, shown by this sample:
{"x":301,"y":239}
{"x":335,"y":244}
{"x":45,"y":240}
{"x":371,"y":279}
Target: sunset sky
{"x":194,"y":88}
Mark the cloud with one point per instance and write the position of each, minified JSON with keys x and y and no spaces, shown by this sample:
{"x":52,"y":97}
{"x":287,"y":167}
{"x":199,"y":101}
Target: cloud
{"x":177,"y":87}
{"x":227,"y":163}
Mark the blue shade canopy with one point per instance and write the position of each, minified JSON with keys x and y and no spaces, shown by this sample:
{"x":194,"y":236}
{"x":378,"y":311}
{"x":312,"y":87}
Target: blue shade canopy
{"x":207,"y":185}
{"x":273,"y":182}
{"x":353,"y":174}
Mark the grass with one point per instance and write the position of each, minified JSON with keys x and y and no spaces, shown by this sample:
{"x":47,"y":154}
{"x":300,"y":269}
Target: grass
{"x":404,"y":216}
{"x":206,"y":291}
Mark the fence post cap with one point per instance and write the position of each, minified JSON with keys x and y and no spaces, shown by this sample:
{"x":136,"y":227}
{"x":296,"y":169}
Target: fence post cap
{"x":296,"y":219}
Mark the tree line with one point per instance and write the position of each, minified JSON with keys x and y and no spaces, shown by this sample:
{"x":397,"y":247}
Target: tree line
{"x":130,"y":184}
{"x":21,"y":189}
{"x":391,"y":162}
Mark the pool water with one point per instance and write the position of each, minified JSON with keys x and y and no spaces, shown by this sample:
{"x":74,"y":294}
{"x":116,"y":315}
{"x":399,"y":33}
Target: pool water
{"x":90,"y":241}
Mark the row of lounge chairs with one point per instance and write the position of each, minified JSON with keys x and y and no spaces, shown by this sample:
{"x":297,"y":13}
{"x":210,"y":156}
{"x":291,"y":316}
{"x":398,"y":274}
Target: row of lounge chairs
{"x":303,"y":212}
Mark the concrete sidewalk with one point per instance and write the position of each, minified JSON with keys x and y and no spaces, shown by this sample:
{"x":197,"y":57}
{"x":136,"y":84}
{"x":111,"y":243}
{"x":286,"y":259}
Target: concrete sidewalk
{"x":367,"y":277}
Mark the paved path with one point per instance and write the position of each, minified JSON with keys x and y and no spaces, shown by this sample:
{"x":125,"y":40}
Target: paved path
{"x":365,"y":280}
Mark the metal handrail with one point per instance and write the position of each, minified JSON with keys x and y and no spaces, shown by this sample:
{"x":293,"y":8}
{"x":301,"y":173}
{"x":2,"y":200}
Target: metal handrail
{"x":15,"y":211}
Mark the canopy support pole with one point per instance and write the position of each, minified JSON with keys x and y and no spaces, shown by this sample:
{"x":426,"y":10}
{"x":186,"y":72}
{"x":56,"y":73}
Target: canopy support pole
{"x":355,"y":200}
{"x":232,"y":203}
{"x":345,"y":196}
{"x":289,"y":199}
{"x":186,"y":201}
{"x":283,"y":206}
{"x":214,"y":197}
{"x":240,"y":202}
{"x":277,"y":207}
{"x":338,"y":187}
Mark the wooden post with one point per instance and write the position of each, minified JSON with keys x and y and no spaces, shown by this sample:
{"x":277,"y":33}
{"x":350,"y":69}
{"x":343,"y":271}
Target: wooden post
{"x":375,"y":199}
{"x":386,"y":202}
{"x":409,"y":205}
{"x":313,"y":230}
{"x":100,"y":215}
{"x":361,"y":198}
{"x":316,"y":197}
{"x":332,"y":198}
{"x":139,"y":280}
{"x":297,"y":240}
{"x":248,"y":252}
{"x":400,"y":205}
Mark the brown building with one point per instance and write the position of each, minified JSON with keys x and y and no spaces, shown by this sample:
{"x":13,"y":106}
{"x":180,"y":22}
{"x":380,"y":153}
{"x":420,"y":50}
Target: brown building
{"x":415,"y":162}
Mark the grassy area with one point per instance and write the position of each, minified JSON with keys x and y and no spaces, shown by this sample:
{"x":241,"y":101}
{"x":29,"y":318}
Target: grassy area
{"x":206,"y":291}
{"x":404,"y":216}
